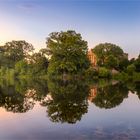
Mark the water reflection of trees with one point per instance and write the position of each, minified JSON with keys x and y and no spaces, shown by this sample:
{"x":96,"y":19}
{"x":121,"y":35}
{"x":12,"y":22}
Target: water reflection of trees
{"x":110,"y":96}
{"x":13,"y":101}
{"x":69,"y":101}
{"x":137,"y":89}
{"x":134,"y":87}
{"x":20,"y":96}
{"x":66,"y":101}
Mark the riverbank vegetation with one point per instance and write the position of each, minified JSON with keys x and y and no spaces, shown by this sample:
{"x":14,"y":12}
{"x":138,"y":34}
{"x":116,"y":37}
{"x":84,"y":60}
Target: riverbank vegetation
{"x":65,"y":55}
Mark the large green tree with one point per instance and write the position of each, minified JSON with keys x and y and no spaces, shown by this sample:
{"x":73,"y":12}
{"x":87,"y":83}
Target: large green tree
{"x":15,"y":51}
{"x":109,"y":55}
{"x":68,"y":52}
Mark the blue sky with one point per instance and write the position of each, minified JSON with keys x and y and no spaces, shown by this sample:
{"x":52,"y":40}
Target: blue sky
{"x":98,"y":21}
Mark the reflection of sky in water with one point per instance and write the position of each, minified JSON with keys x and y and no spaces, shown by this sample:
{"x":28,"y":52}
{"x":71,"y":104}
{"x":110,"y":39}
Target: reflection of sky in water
{"x":121,"y":122}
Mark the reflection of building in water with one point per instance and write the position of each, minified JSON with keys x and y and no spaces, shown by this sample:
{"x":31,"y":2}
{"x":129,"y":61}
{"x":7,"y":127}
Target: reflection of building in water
{"x":92,"y":94}
{"x":92,"y":58}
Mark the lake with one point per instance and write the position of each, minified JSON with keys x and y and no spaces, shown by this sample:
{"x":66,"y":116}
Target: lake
{"x":69,"y":110}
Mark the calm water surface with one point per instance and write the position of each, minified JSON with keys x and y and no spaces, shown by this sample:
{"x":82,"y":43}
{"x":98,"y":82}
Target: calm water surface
{"x":74,"y":110}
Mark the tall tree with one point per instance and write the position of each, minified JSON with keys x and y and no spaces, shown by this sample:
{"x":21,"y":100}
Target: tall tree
{"x":68,"y":52}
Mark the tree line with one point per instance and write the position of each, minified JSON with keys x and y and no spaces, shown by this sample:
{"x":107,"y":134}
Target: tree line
{"x":65,"y":54}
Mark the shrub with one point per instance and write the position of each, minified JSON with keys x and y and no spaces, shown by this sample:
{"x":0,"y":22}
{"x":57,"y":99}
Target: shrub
{"x":91,"y":72}
{"x":131,"y":69}
{"x":104,"y":73}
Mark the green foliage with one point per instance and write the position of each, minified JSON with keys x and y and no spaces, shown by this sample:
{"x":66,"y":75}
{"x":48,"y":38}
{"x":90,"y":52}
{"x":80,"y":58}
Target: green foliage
{"x":91,"y":73}
{"x":6,"y":73}
{"x":69,"y":53}
{"x":137,"y":64}
{"x":104,"y":73}
{"x":123,"y":77}
{"x":131,"y":69}
{"x":13,"y":52}
{"x":123,"y":63}
{"x":111,"y":62}
{"x":2,"y":71}
{"x":21,"y":67}
{"x":66,"y":57}
{"x":17,"y":50}
{"x":109,"y":55}
{"x":136,"y":76}
{"x":39,"y":63}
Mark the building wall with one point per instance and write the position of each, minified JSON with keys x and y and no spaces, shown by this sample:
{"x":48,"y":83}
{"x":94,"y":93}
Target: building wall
{"x":92,"y":58}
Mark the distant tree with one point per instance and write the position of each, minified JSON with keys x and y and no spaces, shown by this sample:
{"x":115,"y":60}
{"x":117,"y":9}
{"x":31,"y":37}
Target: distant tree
{"x":107,"y":52}
{"x":15,"y":51}
{"x":68,"y":52}
{"x":18,"y":50}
